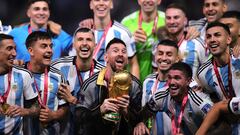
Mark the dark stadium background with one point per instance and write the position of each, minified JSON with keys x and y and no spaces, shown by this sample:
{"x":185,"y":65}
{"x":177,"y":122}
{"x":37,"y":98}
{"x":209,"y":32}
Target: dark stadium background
{"x":69,"y":13}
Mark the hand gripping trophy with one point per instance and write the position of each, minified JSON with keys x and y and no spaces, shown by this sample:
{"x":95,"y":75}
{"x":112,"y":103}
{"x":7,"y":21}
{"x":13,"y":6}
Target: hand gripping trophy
{"x":120,"y":84}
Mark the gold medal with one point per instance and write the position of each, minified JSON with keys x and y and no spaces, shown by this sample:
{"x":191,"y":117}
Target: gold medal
{"x":5,"y":107}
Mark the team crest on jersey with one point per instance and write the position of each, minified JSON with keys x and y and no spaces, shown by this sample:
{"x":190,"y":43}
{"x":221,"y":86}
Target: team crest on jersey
{"x":50,"y":87}
{"x":14,"y":86}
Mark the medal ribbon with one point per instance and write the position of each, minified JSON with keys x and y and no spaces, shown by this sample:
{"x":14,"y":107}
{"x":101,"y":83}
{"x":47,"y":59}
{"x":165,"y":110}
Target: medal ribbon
{"x":154,"y":24}
{"x":44,"y":101}
{"x":156,"y":84}
{"x":96,"y":50}
{"x":3,"y":99}
{"x":181,"y":40}
{"x":176,"y":126}
{"x":230,"y":93}
{"x":79,"y":75}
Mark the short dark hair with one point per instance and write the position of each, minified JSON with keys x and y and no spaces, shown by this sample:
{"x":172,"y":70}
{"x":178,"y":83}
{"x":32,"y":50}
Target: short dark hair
{"x":232,"y":14}
{"x":35,"y":36}
{"x":5,"y":36}
{"x":181,"y":66}
{"x":168,"y":42}
{"x":84,"y":30}
{"x":30,"y":2}
{"x":113,"y":41}
{"x":218,"y":24}
{"x":178,"y":6}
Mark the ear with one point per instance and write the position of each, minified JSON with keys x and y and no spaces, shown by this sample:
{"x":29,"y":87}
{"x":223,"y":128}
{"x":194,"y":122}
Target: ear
{"x":28,"y":12}
{"x":185,"y":21}
{"x":229,"y":40}
{"x":159,"y":2}
{"x":31,"y":52}
{"x":91,"y":5}
{"x":106,"y":57}
{"x":225,"y":7}
{"x":111,"y":6}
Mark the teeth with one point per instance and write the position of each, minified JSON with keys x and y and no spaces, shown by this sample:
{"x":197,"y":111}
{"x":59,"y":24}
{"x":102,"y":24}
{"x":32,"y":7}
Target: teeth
{"x":84,"y":49}
{"x":214,"y":45}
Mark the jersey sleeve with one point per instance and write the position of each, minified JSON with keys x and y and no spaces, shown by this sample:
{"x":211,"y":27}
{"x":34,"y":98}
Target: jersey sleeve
{"x":29,"y":89}
{"x":157,"y":101}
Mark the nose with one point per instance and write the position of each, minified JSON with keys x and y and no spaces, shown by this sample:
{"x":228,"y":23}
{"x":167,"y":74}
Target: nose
{"x":14,"y":53}
{"x":49,"y":49}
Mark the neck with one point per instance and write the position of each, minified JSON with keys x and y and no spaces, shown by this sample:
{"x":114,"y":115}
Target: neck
{"x":179,"y":35}
{"x":108,"y":74}
{"x":83,"y":65}
{"x":180,"y":98}
{"x":36,"y":68}
{"x":162,"y":75}
{"x":101,"y":23}
{"x":36,"y":26}
{"x":223,"y":59}
{"x":4,"y":70}
{"x":149,"y":16}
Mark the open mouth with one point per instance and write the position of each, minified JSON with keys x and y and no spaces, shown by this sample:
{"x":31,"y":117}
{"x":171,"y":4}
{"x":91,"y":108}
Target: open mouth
{"x":213,"y":45}
{"x":47,"y":57}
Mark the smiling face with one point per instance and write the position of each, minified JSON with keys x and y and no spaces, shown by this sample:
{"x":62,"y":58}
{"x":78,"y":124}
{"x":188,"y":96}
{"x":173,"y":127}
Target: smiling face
{"x":178,"y":83}
{"x":41,"y":52}
{"x":8,"y":53}
{"x":175,"y":20}
{"x":234,"y":26}
{"x":84,"y":44}
{"x":116,"y":57}
{"x":39,"y":13}
{"x":149,"y":6}
{"x":165,"y":56}
{"x":214,"y":9}
{"x":217,"y":40}
{"x":101,"y":8}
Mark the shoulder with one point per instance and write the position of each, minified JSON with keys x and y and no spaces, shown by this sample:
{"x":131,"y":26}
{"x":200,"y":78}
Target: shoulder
{"x":63,"y":60}
{"x":91,"y":81}
{"x":22,"y":70}
{"x":194,"y":97}
{"x":121,"y":28}
{"x":98,"y":65}
{"x":131,"y":17}
{"x":19,"y":29}
{"x":200,"y":22}
{"x":204,"y":66}
{"x":161,"y":94}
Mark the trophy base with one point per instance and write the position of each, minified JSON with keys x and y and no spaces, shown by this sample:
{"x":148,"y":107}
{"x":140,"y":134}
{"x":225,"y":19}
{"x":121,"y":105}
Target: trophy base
{"x":5,"y":107}
{"x":112,"y":116}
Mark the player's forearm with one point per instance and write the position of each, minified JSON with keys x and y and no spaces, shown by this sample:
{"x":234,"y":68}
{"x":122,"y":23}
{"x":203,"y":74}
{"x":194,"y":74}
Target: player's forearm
{"x":57,"y":115}
{"x":134,"y":67}
{"x":212,"y":117}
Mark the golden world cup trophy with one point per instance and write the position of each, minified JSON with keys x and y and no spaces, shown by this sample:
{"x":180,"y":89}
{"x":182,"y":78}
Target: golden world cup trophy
{"x":120,"y":84}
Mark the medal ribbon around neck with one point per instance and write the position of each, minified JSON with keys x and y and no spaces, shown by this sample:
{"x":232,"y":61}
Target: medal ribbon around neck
{"x":96,"y":50}
{"x":227,"y":93}
{"x":176,"y":126}
{"x":3,"y":99}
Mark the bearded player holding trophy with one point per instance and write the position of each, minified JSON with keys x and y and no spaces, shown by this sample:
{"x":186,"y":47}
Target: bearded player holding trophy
{"x":110,"y":99}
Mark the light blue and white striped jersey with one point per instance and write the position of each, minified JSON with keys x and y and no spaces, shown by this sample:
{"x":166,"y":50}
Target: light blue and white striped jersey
{"x":55,"y":77}
{"x":193,"y":53}
{"x":196,"y":108}
{"x":67,"y":65}
{"x":117,"y":30}
{"x":208,"y":78}
{"x":22,"y":87}
{"x":161,"y":122}
{"x":200,"y":25}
